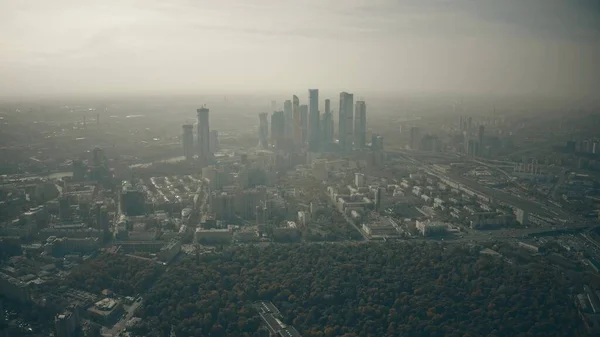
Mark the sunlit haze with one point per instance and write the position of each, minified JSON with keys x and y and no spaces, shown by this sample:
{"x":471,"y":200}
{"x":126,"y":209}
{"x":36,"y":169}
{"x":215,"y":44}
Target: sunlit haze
{"x":65,"y":47}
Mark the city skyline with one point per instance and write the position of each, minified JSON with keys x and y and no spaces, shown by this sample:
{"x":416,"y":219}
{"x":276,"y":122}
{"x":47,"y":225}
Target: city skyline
{"x":300,"y":168}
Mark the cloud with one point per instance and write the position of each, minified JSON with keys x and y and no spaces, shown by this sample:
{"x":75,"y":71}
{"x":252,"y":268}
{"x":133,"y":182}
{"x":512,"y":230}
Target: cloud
{"x":471,"y":45}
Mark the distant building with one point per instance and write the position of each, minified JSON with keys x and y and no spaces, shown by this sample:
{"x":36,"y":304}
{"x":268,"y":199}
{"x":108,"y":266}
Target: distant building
{"x":346,"y":120}
{"x":79,"y":170}
{"x":106,"y":311}
{"x":377,"y":143}
{"x":246,"y":236}
{"x":213,"y":235}
{"x":187,"y":140}
{"x":360,"y":124}
{"x":66,"y":324}
{"x":415,"y":138}
{"x":359,"y":180}
{"x":214,"y":141}
{"x":327,"y":124}
{"x":132,"y":200}
{"x":169,"y":251}
{"x":288,"y":116}
{"x":314,"y":118}
{"x":263,"y":131}
{"x":379,"y":198}
{"x":522,"y":216}
{"x":433,"y":228}
{"x":296,"y":128}
{"x":203,"y":140}
{"x":277,"y":128}
{"x":287,"y":232}
{"x":483,"y":220}
{"x":304,"y":123}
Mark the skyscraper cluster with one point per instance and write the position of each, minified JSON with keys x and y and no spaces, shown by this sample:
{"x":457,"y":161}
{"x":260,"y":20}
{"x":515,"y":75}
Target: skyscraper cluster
{"x":306,"y":126}
{"x":474,"y":144}
{"x":203,"y":149}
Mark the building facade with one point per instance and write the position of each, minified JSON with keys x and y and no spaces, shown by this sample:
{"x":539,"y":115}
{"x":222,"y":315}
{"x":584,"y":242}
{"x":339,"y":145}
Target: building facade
{"x":203,"y":139}
{"x":314,"y":119}
{"x":345,"y":128}
{"x":360,"y":125}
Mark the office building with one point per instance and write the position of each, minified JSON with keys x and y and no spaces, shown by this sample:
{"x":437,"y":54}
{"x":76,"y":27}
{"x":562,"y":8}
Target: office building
{"x":66,"y":324}
{"x":99,"y":170}
{"x":360,"y":125}
{"x":359,"y":180}
{"x":327,"y":124}
{"x":213,"y":235}
{"x":98,"y":157}
{"x":376,"y":143}
{"x":214,"y":141}
{"x":132,"y":200}
{"x":379,"y":198}
{"x":297,"y":120}
{"x":327,"y":128}
{"x":304,"y":123}
{"x":79,"y":170}
{"x":288,"y":116}
{"x":203,"y":140}
{"x":415,"y":138}
{"x":314,"y":119}
{"x":187,"y":139}
{"x":277,"y":128}
{"x":263,"y":131}
{"x":345,"y":128}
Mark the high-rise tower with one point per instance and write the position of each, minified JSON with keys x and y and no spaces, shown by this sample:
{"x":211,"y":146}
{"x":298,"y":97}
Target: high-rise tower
{"x":314,"y":131}
{"x":327,"y":124}
{"x":415,"y":138}
{"x":288,"y":116}
{"x":360,"y":124}
{"x":304,"y":123}
{"x":297,"y":120}
{"x":345,"y":129}
{"x":277,"y":128}
{"x":263,"y":131}
{"x":481,"y":139}
{"x":187,"y":139}
{"x":203,"y":140}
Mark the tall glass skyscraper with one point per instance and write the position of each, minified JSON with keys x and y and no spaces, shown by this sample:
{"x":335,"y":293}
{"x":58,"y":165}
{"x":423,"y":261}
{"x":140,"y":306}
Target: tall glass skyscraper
{"x":314,"y":130}
{"x":345,"y":129}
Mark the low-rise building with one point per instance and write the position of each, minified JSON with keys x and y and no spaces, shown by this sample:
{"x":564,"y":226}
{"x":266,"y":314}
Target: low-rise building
{"x":287,"y":232}
{"x":246,"y":236}
{"x":482,"y":220}
{"x":213,"y":235}
{"x":105,"y":311}
{"x":169,"y":251}
{"x":432,"y":228}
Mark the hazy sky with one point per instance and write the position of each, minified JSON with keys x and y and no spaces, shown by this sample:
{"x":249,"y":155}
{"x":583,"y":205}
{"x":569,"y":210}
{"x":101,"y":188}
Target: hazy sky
{"x":191,"y":46}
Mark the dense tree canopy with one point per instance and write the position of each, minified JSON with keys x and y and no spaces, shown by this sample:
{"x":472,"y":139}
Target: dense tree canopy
{"x":388,"y":289}
{"x":124,"y":275}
